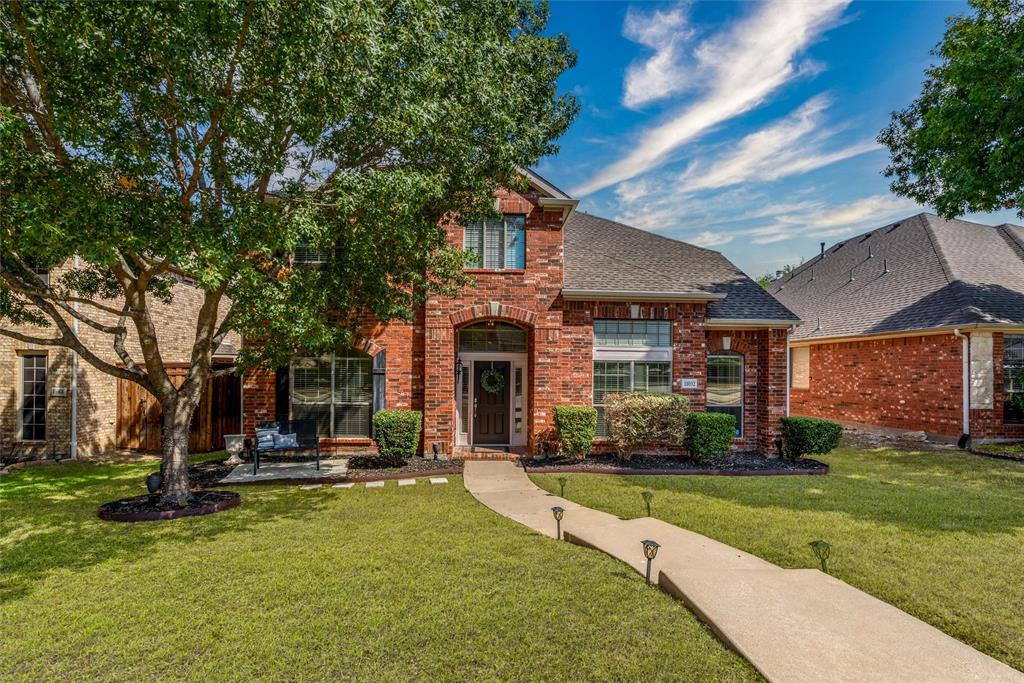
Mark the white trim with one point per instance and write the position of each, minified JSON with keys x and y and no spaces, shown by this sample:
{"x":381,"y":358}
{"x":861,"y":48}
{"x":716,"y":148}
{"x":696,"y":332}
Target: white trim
{"x":515,"y":360}
{"x":965,"y":398}
{"x":660,"y":353}
{"x":739,"y":323}
{"x":638,"y":295}
{"x":916,"y":332}
{"x":542,"y":184}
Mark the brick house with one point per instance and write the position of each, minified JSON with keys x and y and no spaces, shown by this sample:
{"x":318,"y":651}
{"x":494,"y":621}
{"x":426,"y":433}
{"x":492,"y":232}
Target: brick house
{"x":917,"y":325}
{"x":566,"y":307}
{"x":54,"y":403}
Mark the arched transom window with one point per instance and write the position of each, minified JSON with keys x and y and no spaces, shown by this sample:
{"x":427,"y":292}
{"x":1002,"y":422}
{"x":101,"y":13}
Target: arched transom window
{"x":493,"y":336}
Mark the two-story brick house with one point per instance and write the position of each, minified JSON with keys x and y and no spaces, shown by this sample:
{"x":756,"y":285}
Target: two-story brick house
{"x":566,"y":307}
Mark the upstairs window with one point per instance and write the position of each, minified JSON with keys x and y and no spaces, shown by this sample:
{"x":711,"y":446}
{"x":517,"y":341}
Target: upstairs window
{"x":307,"y":255}
{"x":1013,"y":388}
{"x":497,"y":243}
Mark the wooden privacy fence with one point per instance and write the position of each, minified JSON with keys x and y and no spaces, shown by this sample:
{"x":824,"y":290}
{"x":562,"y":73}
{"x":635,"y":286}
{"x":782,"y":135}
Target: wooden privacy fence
{"x":218,"y":413}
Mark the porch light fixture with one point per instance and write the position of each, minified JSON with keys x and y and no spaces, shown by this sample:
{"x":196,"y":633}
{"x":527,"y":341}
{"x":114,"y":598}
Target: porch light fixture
{"x":458,"y":369}
{"x":822,"y":550}
{"x":650,"y":552}
{"x":558,"y":512}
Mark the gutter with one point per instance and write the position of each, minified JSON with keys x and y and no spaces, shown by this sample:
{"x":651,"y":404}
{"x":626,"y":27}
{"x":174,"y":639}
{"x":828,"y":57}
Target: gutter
{"x":739,"y":323}
{"x":633,"y":295}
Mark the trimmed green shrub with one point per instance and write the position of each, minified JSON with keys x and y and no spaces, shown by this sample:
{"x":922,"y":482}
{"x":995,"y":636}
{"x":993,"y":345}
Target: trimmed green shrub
{"x":397,"y":433}
{"x":576,"y":426}
{"x":640,"y":420}
{"x":808,"y":435}
{"x":709,"y":433}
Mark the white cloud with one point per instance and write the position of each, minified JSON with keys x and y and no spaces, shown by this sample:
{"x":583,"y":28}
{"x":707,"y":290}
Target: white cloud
{"x":789,"y":146}
{"x":663,"y":73}
{"x":824,"y":220}
{"x":710,"y":239}
{"x":740,"y":67}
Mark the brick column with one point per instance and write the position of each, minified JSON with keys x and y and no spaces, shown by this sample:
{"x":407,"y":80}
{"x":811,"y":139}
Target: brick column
{"x":439,"y":385}
{"x":771,"y":404}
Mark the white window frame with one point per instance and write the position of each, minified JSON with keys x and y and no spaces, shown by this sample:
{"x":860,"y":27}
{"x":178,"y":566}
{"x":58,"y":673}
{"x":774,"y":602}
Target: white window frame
{"x":740,"y":430}
{"x":20,"y":397}
{"x":332,"y":403}
{"x":631,"y":355}
{"x":495,"y":225}
{"x":1010,"y":385}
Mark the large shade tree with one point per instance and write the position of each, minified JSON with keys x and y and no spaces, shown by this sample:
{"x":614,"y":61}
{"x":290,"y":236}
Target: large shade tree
{"x":155,"y":141}
{"x":960,"y":145}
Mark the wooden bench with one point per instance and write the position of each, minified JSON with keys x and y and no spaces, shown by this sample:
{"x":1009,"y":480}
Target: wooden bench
{"x":306,"y":439}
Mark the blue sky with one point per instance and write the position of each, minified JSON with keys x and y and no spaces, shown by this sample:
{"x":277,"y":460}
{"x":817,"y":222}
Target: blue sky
{"x":743,"y":127}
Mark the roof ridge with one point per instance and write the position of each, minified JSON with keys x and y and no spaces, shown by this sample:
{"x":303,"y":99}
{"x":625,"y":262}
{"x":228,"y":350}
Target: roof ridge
{"x":955,"y":285}
{"x":648,"y":232}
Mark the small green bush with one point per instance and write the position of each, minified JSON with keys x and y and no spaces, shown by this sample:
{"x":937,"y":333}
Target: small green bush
{"x":576,"y":426}
{"x":807,"y":435}
{"x":639,"y":420}
{"x":397,"y":433}
{"x":709,"y":433}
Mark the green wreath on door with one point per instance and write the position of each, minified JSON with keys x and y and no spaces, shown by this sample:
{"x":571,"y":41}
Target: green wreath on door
{"x":492,"y":381}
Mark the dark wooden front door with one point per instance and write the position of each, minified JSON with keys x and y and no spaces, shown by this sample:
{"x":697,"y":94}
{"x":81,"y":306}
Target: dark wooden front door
{"x":490,"y":410}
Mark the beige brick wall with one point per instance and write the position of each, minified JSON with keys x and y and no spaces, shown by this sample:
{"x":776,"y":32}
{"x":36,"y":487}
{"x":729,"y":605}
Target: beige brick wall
{"x":97,"y":391}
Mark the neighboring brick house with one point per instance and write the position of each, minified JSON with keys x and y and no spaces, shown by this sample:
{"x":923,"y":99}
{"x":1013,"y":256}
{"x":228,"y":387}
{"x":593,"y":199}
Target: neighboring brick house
{"x":918,"y":325}
{"x":566,"y":307}
{"x":53,"y":403}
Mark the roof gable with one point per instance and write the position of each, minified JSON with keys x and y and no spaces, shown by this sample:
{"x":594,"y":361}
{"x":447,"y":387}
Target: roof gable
{"x":603,"y":256}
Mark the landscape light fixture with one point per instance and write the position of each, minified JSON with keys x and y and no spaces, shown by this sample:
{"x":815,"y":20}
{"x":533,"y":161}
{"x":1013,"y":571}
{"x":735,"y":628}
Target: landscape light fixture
{"x":558,"y":512}
{"x":822,"y":549}
{"x":650,"y":552}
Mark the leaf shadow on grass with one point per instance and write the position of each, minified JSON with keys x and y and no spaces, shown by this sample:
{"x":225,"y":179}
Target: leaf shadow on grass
{"x":925,"y":491}
{"x":48,"y":520}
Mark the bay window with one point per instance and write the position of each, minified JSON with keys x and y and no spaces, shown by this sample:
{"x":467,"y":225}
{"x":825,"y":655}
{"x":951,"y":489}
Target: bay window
{"x":497,"y":243}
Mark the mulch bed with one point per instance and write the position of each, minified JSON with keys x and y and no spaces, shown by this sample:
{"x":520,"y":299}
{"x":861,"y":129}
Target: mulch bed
{"x":148,"y":508}
{"x":371,"y":467}
{"x":726,"y":464}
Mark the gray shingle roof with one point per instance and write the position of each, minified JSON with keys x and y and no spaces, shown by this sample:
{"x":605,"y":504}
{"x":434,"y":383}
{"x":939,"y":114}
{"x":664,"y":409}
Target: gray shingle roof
{"x":605,"y":256}
{"x":941,"y":273}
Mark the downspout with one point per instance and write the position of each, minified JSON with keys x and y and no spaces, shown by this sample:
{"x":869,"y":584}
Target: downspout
{"x":789,"y":371}
{"x":966,"y":399}
{"x":73,"y":445}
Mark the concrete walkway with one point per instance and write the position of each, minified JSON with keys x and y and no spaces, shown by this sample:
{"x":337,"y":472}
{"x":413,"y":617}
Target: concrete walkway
{"x":791,"y":624}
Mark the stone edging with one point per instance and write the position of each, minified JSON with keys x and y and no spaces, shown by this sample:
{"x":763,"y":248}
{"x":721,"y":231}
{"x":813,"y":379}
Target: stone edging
{"x":154,"y":515}
{"x":998,"y":456}
{"x":346,"y":479}
{"x":681,"y":472}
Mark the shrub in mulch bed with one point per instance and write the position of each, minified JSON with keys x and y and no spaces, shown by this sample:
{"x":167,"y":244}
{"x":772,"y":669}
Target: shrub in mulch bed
{"x":722,"y":463}
{"x":150,"y":507}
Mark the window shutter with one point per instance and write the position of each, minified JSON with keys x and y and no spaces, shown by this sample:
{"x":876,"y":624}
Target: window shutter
{"x":380,"y":362}
{"x":282,"y":399}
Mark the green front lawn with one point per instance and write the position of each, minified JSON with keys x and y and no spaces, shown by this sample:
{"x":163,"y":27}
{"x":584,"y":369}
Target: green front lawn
{"x":411,"y":583}
{"x":940,"y":535}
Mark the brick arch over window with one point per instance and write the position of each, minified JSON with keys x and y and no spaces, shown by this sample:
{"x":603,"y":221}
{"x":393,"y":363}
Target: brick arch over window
{"x":369,"y":347}
{"x":494,"y":311}
{"x":742,"y":345}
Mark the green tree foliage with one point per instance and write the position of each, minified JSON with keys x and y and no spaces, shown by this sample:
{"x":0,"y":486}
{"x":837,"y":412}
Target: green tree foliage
{"x":209,"y":140}
{"x":959,"y":145}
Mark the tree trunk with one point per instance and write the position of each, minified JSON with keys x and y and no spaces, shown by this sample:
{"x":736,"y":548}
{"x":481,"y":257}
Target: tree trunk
{"x":177,"y":418}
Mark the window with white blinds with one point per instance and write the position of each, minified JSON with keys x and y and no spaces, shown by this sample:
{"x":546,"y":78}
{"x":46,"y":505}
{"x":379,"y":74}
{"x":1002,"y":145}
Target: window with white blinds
{"x":725,"y":386}
{"x":336,"y":391}
{"x":497,"y":243}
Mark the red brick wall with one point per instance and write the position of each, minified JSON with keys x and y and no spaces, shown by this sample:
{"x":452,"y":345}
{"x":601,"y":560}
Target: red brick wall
{"x":910,"y":383}
{"x":988,"y":424}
